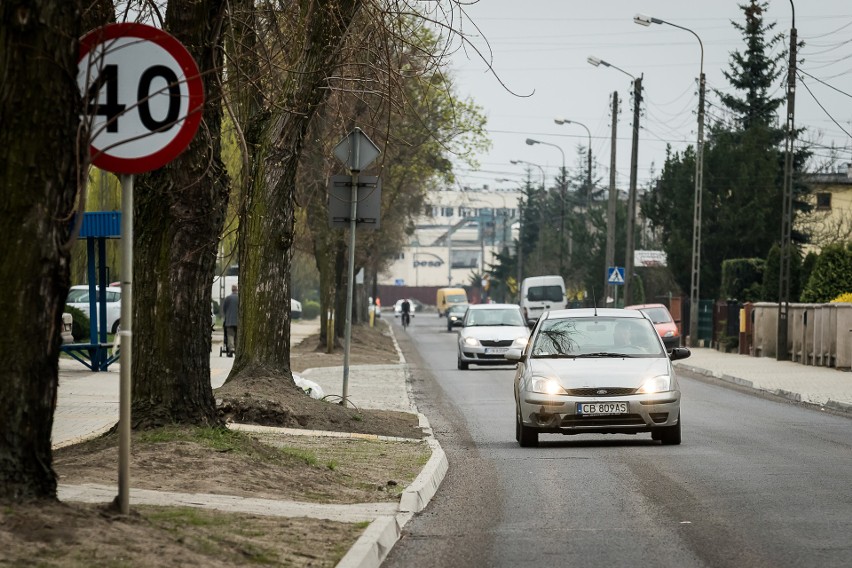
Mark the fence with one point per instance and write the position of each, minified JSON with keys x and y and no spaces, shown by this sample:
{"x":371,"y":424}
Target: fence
{"x":817,"y":334}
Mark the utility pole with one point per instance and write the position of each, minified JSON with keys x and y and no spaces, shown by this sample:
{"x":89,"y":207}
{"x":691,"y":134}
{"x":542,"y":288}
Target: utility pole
{"x":631,"y":198}
{"x":782,"y":352}
{"x":613,"y":196}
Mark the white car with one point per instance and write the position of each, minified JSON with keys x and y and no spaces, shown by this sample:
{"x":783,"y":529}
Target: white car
{"x":596,"y":371}
{"x":295,"y":309}
{"x":488,"y":332}
{"x":78,"y":297}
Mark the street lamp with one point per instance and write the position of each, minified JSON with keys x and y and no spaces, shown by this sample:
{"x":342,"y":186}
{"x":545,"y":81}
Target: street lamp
{"x":644,"y":20}
{"x":532,"y":142}
{"x":516,"y":162}
{"x":521,"y":221}
{"x":588,"y":156}
{"x":634,"y":159}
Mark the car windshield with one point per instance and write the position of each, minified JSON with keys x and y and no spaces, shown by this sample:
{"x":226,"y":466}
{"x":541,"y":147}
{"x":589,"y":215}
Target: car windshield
{"x":544,"y":294}
{"x":597,"y":337}
{"x":509,"y":316}
{"x":658,"y":315}
{"x":456,"y":298}
{"x":78,"y":296}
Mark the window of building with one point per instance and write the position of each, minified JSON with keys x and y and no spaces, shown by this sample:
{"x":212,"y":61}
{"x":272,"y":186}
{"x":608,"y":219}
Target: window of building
{"x":823,"y":201}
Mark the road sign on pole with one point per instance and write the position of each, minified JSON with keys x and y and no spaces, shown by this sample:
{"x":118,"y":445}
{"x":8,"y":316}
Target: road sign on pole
{"x":615,"y":275}
{"x":143,"y":98}
{"x":142,"y":95}
{"x":356,"y":151}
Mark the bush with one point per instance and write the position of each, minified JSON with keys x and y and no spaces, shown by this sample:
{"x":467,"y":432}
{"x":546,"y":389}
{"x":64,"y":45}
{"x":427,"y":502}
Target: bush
{"x":79,"y":325}
{"x":772,"y":272}
{"x":844,"y":298}
{"x":310,"y":309}
{"x":742,"y":279}
{"x":831,"y":276}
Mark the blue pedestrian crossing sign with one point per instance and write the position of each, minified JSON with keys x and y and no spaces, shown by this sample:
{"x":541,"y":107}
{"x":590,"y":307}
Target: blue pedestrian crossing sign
{"x":615,"y":275}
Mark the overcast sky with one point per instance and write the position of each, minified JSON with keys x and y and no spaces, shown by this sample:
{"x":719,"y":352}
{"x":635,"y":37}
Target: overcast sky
{"x":539,"y":50}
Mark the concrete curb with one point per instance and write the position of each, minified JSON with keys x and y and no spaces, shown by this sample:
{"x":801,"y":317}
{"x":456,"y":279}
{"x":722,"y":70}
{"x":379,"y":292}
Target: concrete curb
{"x":833,"y":405}
{"x":373,"y":546}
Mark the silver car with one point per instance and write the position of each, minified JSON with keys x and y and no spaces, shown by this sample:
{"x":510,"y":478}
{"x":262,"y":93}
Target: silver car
{"x":602,"y":371}
{"x":488,"y":332}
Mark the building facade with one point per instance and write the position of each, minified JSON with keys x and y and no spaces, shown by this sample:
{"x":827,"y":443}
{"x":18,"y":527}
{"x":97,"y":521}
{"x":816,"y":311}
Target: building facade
{"x":459,"y":233}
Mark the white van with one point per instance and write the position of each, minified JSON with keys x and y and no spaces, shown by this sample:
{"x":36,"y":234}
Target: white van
{"x":541,"y":293}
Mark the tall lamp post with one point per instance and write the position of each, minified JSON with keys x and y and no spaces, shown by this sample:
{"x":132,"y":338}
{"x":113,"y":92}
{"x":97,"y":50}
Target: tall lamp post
{"x":532,"y":142}
{"x":516,"y":162}
{"x":631,"y":196}
{"x":521,"y":221}
{"x":699,"y":182}
{"x":588,"y":157}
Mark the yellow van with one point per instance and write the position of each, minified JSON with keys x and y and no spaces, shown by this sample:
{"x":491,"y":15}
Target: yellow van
{"x":448,"y":297}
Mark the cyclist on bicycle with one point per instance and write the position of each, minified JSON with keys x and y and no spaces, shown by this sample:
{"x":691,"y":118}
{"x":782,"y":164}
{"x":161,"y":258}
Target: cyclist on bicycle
{"x":405,"y":309}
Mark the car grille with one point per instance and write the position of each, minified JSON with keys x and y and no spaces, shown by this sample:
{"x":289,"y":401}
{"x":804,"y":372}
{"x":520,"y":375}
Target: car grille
{"x":599,"y":391}
{"x":490,"y":357}
{"x":496,"y":343}
{"x":571,"y":421}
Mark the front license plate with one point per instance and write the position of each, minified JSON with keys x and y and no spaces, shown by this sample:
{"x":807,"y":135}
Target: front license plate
{"x":601,"y":408}
{"x":495,"y":350}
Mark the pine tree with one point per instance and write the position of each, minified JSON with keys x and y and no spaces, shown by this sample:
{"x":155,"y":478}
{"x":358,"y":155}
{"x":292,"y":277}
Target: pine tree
{"x":743,"y":166}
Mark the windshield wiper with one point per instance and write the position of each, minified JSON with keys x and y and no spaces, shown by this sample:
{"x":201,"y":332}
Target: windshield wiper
{"x":604,"y":354}
{"x":554,"y":356}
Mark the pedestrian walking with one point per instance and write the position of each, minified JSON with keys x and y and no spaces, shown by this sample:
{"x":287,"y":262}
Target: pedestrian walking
{"x":230,"y":318}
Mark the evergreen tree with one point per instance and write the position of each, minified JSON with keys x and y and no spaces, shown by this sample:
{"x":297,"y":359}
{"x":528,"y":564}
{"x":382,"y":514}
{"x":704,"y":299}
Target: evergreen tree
{"x":743,"y":167}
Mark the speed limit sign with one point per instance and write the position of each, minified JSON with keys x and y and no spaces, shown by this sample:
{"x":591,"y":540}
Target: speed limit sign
{"x":142,"y":97}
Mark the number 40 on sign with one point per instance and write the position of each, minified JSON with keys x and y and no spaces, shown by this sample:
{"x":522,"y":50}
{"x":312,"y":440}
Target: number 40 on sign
{"x":142,"y":96}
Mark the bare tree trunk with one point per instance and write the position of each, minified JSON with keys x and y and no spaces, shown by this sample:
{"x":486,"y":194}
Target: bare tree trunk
{"x":179,"y":213}
{"x":267,"y":222}
{"x":39,"y":178}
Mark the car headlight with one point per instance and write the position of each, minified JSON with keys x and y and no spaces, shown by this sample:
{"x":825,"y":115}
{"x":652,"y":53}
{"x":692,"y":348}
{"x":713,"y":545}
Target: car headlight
{"x":471,"y":341}
{"x":546,"y":385}
{"x":521,"y":341}
{"x":661,"y":383}
{"x":669,"y":334}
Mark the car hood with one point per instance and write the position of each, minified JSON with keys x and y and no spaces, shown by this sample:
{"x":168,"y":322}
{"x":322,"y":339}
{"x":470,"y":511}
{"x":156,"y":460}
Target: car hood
{"x":600,"y":372}
{"x":497,"y":332}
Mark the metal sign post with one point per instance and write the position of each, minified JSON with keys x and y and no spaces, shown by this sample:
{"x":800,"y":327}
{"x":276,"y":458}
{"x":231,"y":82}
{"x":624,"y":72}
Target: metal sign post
{"x":143,"y":97}
{"x":356,"y":151}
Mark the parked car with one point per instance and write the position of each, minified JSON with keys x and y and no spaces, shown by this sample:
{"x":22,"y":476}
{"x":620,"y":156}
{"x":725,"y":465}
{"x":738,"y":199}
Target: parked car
{"x":596,"y":370}
{"x":662,"y":320}
{"x":78,"y":297}
{"x":487,"y":333}
{"x":295,"y":309}
{"x":455,"y":315}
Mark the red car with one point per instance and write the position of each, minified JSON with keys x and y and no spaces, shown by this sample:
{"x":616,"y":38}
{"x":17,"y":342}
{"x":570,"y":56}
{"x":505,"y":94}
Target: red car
{"x":663,"y":321}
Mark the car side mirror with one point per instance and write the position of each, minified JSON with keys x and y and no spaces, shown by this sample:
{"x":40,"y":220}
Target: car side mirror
{"x":514,"y":354}
{"x":679,"y":353}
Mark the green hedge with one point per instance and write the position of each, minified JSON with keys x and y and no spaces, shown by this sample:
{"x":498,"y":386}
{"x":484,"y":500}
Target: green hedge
{"x":831,"y":276}
{"x":742,"y":279}
{"x":79,"y":325}
{"x":310,"y":309}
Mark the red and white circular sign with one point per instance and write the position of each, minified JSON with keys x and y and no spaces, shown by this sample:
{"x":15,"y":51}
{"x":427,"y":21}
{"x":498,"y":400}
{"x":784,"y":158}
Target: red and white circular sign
{"x":142,"y":97}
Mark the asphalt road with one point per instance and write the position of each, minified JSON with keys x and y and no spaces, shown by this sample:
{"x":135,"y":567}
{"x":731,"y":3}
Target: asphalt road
{"x":756,"y":482}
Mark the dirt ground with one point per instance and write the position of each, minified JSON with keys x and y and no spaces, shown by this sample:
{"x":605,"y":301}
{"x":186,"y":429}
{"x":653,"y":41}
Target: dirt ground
{"x":228,"y":462}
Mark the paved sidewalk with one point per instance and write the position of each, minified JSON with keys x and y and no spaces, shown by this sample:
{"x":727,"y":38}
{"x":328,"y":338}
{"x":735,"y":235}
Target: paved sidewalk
{"x":823,"y":386}
{"x":88,"y":402}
